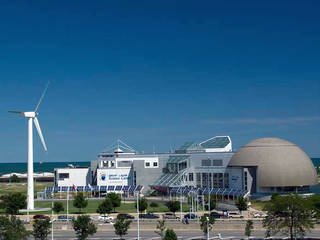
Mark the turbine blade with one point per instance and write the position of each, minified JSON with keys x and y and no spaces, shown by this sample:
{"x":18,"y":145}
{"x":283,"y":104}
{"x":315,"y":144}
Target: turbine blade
{"x":40,"y":100}
{"x":15,"y":112}
{"x":36,"y":123}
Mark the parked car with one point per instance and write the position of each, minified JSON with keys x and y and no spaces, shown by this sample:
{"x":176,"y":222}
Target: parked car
{"x":125,"y":215}
{"x":216,"y":215}
{"x":191,"y":216}
{"x":234,"y":215}
{"x":105,"y":218}
{"x":40,"y":217}
{"x":148,"y":216}
{"x":169,"y":216}
{"x":259,"y":215}
{"x":65,"y":218}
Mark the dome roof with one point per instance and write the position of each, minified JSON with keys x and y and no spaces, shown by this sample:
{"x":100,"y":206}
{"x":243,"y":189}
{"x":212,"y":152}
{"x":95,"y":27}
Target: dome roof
{"x":279,"y":163}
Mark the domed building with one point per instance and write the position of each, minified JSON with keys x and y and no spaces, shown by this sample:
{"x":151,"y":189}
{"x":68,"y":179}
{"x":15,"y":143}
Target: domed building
{"x":274,"y":165}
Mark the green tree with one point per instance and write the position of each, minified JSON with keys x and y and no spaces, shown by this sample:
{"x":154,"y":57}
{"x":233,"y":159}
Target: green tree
{"x":12,"y":228}
{"x":290,"y":215}
{"x":143,"y":204}
{"x":314,"y":202}
{"x":80,"y":201}
{"x":206,"y":221}
{"x":213,"y":203}
{"x":13,"y":202}
{"x":161,"y":228}
{"x":121,"y":226}
{"x":14,"y":179}
{"x":154,"y":204}
{"x":115,"y":200}
{"x":249,"y":228}
{"x":173,"y":206}
{"x":170,"y":235}
{"x":41,"y":229}
{"x":83,"y":226}
{"x":242,"y":204}
{"x":58,"y":207}
{"x":105,"y":207}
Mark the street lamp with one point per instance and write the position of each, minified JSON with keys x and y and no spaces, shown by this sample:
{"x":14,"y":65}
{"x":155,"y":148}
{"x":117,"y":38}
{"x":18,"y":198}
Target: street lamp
{"x":52,"y":195}
{"x":138,"y":223}
{"x":207,"y":228}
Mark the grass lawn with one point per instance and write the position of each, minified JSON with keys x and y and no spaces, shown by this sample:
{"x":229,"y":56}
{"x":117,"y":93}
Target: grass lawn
{"x":6,"y":188}
{"x":93,"y":205}
{"x":258,"y":205}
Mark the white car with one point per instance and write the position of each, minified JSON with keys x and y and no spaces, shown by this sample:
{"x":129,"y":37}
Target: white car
{"x":259,"y":215}
{"x":105,"y":218}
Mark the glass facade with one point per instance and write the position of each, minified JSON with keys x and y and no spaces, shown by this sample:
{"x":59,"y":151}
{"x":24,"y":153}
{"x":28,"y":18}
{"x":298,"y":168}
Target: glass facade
{"x":211,"y":180}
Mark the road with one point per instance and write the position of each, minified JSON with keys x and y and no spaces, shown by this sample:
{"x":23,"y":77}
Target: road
{"x":227,"y":230}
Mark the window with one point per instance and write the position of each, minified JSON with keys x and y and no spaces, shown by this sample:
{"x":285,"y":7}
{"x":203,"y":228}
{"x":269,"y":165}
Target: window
{"x":205,"y":179}
{"x":135,"y":178}
{"x":63,"y":176}
{"x":182,"y":166}
{"x":190,"y":177}
{"x":220,"y":180}
{"x":206,"y":162}
{"x":210,"y":180}
{"x":217,"y":162}
{"x":226,"y":180}
{"x":124,"y":163}
{"x":155,"y":164}
{"x":147,"y":164}
{"x":198,"y":178}
{"x":245,"y":181}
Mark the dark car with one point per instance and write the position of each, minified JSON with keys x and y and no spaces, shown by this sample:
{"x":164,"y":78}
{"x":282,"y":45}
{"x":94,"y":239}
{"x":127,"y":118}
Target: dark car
{"x":216,"y":215}
{"x":148,"y":216}
{"x":125,"y":215}
{"x":40,"y":217}
{"x":190,"y":216}
{"x":65,"y":218}
{"x":169,"y":216}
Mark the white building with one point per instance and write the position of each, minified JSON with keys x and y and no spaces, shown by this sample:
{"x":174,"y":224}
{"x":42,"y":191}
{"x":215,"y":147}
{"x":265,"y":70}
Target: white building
{"x":78,"y":176}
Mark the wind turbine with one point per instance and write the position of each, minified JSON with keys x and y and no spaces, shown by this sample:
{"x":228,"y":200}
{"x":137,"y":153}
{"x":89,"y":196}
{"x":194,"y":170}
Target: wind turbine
{"x":32,"y":117}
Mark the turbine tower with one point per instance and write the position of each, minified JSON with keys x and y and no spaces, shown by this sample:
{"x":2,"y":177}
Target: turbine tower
{"x":32,"y":117}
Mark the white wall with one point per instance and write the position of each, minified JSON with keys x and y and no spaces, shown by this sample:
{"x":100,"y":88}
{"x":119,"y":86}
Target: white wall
{"x":150,"y":160}
{"x":77,"y":176}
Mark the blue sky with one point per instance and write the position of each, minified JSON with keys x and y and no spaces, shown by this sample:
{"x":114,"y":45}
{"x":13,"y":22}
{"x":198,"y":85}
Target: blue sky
{"x":158,"y":74}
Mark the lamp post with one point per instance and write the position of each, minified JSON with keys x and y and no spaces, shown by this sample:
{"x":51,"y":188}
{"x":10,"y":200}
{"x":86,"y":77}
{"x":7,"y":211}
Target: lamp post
{"x":52,"y":217}
{"x":68,"y":205}
{"x":207,"y":228}
{"x":181,"y":204}
{"x":138,"y":222}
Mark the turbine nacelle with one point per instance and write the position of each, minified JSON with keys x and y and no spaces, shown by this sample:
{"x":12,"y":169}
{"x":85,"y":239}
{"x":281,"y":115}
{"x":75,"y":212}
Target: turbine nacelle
{"x":26,"y":114}
{"x":29,"y":114}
